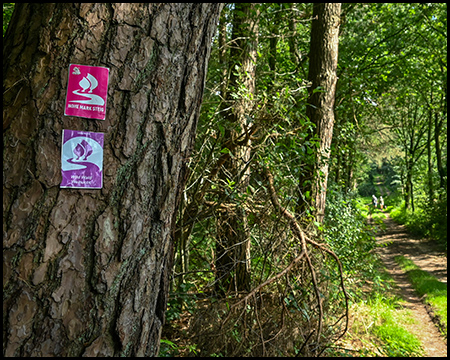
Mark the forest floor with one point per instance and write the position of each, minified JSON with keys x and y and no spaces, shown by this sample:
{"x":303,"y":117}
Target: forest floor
{"x":428,"y":257}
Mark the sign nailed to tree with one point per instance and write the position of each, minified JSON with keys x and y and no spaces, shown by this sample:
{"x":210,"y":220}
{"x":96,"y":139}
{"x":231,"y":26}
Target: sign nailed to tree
{"x":82,"y":159}
{"x":87,"y":90}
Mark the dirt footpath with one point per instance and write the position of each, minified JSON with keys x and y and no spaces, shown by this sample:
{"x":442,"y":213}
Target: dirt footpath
{"x":428,"y":258}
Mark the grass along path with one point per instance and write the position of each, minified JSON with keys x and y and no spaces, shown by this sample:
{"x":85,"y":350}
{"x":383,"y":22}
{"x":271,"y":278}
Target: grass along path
{"x":433,"y":291}
{"x":397,"y":242}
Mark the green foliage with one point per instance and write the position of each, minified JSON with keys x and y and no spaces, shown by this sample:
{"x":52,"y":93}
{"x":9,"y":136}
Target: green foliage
{"x":180,"y":301}
{"x":391,"y":95}
{"x":428,"y":220}
{"x":367,"y":188}
{"x":167,"y":348}
{"x":8,"y":9}
{"x":435,"y":218}
{"x":171,"y":349}
{"x":346,"y":231}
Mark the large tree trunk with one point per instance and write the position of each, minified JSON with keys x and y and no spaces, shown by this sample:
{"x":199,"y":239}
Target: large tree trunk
{"x":233,"y":238}
{"x":323,"y":59}
{"x":85,"y":272}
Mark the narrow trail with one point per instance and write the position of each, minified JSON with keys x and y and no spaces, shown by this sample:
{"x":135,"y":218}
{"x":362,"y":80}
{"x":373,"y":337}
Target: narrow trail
{"x":424,"y":255}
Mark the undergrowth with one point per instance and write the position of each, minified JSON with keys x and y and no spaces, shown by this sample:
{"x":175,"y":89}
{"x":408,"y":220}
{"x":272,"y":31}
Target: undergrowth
{"x":427,"y":220}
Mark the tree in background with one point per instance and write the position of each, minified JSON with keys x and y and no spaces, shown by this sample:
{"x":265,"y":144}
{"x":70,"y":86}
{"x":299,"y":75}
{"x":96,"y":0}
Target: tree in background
{"x":323,"y":59}
{"x":401,"y":53}
{"x":233,"y":237}
{"x":86,"y":272}
{"x":252,"y":147}
{"x":391,"y":107}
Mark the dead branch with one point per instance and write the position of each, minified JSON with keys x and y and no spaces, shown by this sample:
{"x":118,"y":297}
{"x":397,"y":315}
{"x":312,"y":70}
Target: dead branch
{"x":303,"y":240}
{"x":301,"y":236}
{"x":240,"y":308}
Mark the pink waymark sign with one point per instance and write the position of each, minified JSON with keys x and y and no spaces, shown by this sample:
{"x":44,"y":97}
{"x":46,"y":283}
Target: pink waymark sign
{"x":82,"y":159}
{"x":87,"y":90}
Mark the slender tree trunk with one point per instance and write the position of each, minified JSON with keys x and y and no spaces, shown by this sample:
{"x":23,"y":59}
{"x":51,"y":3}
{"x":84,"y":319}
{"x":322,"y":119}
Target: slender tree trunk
{"x":233,"y":241}
{"x":429,"y":153}
{"x":408,"y":183}
{"x":223,"y":54}
{"x":273,"y":41}
{"x":85,"y":272}
{"x":322,"y":75}
{"x":437,"y":142}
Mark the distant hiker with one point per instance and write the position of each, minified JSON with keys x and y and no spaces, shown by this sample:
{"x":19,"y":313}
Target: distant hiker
{"x":381,"y":202}
{"x":374,"y":200}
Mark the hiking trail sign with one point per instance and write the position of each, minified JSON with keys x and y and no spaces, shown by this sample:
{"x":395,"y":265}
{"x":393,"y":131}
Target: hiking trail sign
{"x":87,"y":90}
{"x":82,"y":159}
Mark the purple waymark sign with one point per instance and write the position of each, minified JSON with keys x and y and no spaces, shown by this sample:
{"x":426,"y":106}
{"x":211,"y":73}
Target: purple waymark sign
{"x":82,"y":160}
{"x":87,"y":90}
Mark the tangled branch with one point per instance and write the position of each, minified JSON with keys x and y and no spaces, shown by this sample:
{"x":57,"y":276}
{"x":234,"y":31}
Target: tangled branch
{"x":304,"y":240}
{"x":256,"y":319}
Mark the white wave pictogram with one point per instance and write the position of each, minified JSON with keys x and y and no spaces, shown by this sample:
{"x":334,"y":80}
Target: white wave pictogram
{"x":88,"y":82}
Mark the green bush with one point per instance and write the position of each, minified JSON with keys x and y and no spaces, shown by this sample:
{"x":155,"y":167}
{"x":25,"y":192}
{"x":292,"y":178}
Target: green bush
{"x":428,"y":220}
{"x":435,"y":215}
{"x":347,"y":233}
{"x":181,"y":301}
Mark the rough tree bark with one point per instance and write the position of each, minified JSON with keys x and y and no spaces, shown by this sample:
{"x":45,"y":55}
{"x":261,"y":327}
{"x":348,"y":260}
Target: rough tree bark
{"x":85,"y":272}
{"x":233,"y":239}
{"x":323,"y":59}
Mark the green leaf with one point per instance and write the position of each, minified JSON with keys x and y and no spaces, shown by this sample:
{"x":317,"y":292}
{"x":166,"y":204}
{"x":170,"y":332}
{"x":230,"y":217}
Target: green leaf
{"x":318,"y":89}
{"x":168,"y":342}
